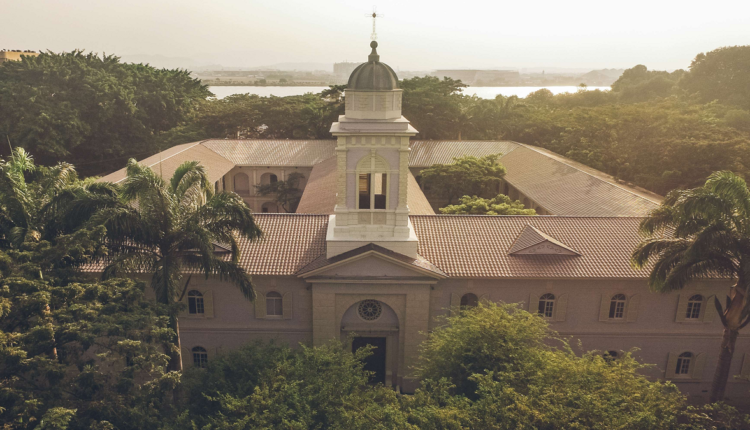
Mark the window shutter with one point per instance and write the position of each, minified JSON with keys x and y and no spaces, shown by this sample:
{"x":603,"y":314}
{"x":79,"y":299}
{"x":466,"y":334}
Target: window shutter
{"x":709,"y":312}
{"x":682,"y":304}
{"x":286,"y":303}
{"x":633,"y":303}
{"x":186,"y":356}
{"x":604,"y":308}
{"x":260,"y":305}
{"x":208,"y":304}
{"x":745,"y":369}
{"x":697,"y":369}
{"x":534,"y":303}
{"x":455,"y":304}
{"x":671,"y":365}
{"x":561,"y":307}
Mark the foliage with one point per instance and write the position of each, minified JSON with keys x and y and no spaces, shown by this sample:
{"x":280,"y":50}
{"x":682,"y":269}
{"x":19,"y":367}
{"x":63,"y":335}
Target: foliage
{"x":500,"y":358}
{"x":80,"y":355}
{"x":703,"y":233}
{"x":638,"y":84}
{"x":308,"y":388}
{"x":286,"y":193}
{"x":88,"y":109}
{"x":170,"y":228}
{"x":722,"y":74}
{"x":433,"y":106}
{"x":467,"y":175}
{"x":499,"y":205}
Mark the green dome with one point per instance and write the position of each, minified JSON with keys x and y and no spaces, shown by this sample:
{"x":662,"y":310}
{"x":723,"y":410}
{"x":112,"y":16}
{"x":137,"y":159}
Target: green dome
{"x":373,"y":75}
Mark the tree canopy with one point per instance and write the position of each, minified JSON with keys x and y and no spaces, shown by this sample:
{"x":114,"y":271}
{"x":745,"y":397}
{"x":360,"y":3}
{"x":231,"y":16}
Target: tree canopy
{"x":90,"y":109}
{"x":498,"y":205}
{"x":467,"y":175}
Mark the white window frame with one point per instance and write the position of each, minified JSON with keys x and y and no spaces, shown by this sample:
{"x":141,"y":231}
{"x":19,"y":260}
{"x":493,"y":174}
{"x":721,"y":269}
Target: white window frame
{"x":278,"y":300}
{"x":549,"y":300}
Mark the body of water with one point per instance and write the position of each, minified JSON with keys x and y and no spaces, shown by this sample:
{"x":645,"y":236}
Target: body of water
{"x":482,"y":92}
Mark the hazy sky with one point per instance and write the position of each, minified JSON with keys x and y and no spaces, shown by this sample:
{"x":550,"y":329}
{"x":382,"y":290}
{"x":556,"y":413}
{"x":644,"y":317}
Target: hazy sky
{"x":414,"y":35}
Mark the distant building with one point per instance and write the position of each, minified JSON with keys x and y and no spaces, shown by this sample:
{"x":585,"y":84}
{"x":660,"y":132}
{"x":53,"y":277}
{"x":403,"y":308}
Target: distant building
{"x":15,"y":55}
{"x":481,"y":77}
{"x":344,"y":69}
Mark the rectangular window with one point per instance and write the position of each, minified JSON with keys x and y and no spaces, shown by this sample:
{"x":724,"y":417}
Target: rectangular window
{"x":616,"y":309}
{"x":364,"y":191}
{"x":274,"y":306}
{"x":548,"y":306}
{"x":693,"y":310}
{"x":380,"y":185}
{"x":683,"y":366}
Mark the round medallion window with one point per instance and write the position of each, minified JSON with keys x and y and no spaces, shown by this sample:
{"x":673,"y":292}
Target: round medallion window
{"x":370,"y":310}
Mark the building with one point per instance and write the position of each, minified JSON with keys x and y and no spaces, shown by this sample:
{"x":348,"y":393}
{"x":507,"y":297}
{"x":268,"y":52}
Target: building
{"x":15,"y":55}
{"x":365,"y":255}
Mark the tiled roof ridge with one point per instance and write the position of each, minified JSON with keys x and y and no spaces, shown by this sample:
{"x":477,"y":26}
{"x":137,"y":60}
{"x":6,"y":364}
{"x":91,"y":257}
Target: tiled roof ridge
{"x":289,"y":214}
{"x":531,"y":216}
{"x":563,"y":161}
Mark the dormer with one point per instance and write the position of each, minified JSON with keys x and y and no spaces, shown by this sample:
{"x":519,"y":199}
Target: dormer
{"x":532,"y":241}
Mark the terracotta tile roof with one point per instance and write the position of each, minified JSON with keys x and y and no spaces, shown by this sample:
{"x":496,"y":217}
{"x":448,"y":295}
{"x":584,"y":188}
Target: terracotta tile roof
{"x":477,"y":246}
{"x":216,"y":165}
{"x":531,"y":236}
{"x":425,"y":153}
{"x":259,"y":152}
{"x":419,"y":262}
{"x":290,"y":242}
{"x":564,"y":187}
{"x":319,"y":196}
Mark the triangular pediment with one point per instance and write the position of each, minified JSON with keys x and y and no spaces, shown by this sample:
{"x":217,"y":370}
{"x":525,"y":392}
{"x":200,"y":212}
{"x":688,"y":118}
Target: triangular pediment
{"x":371,"y":262}
{"x":532,"y":241}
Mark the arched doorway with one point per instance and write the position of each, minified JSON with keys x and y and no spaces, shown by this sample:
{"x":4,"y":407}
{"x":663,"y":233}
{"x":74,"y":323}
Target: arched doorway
{"x":374,"y":323}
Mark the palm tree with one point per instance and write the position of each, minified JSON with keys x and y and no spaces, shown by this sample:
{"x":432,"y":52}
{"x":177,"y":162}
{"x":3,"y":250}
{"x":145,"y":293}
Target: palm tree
{"x":34,"y":200}
{"x":168,"y":229}
{"x":703,"y":233}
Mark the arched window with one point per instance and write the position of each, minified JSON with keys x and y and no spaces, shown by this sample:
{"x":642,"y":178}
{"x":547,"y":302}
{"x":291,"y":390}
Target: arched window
{"x":268,"y":178}
{"x":274,"y":305}
{"x":610,"y":356}
{"x":547,"y":305}
{"x":195,"y":303}
{"x":617,"y":306}
{"x":372,"y":182}
{"x":683,"y":364}
{"x":241,"y":184}
{"x":694,"y":307}
{"x":200,"y":356}
{"x":469,"y":300}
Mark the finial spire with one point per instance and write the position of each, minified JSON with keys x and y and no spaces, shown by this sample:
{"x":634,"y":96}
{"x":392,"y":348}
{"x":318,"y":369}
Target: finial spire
{"x":375,"y":15}
{"x":373,"y":57}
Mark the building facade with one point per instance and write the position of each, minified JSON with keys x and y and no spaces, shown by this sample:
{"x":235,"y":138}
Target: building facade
{"x":365,"y":260}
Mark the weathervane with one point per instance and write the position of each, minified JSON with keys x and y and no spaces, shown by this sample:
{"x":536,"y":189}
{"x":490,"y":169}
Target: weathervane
{"x":375,"y":15}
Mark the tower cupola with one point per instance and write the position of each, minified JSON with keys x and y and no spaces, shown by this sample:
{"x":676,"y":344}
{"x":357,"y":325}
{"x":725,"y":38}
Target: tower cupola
{"x":373,"y":75}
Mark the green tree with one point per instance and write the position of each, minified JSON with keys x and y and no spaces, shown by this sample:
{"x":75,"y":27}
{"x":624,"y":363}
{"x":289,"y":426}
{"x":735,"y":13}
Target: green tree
{"x":467,"y":175}
{"x":170,"y":228}
{"x":33,"y":200}
{"x":501,"y":359}
{"x":722,"y":74}
{"x":699,"y":233}
{"x":270,"y":386}
{"x":639,"y":84}
{"x":87,"y":109}
{"x":433,"y":106}
{"x":499,"y":205}
{"x":286,"y":193}
{"x":80,"y":355}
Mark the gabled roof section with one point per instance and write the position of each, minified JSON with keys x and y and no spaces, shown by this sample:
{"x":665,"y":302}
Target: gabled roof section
{"x":166,"y":162}
{"x":425,"y":153}
{"x":535,"y":242}
{"x":419,"y":264}
{"x":565,"y":187}
{"x":266,"y":152}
